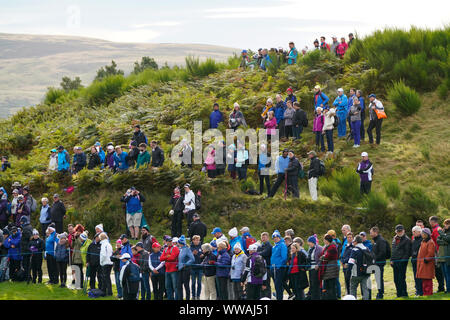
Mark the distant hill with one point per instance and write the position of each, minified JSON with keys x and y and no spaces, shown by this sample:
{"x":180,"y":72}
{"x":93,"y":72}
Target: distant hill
{"x":31,"y":63}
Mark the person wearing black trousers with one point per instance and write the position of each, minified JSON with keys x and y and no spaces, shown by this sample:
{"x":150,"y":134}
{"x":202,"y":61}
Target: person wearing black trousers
{"x":62,"y":258}
{"x":93,"y":262}
{"x":374,"y":123}
{"x":57,"y":213}
{"x":177,"y":212}
{"x":157,"y":272}
{"x":36,"y":246}
{"x":363,"y":113}
{"x":27,"y":234}
{"x":264,"y":163}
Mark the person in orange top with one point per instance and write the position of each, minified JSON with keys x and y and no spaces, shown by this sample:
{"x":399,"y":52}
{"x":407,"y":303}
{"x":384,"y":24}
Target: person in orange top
{"x":426,"y":262}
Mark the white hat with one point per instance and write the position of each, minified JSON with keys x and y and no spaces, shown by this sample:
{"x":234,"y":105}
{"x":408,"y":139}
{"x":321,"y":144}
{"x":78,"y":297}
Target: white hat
{"x":253,"y":247}
{"x":244,"y":229}
{"x":332,"y":110}
{"x":99,"y":226}
{"x":237,"y":245}
{"x":35,"y":232}
{"x":236,"y":104}
{"x":364,"y":154}
{"x":321,"y":109}
{"x":233,"y":232}
{"x":317,"y":87}
{"x":110,"y":148}
{"x":175,"y":239}
{"x":340,"y":90}
{"x":126,"y":255}
{"x":349,"y":297}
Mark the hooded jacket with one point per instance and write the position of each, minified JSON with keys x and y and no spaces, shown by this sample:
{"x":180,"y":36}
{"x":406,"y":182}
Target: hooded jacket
{"x":209,"y":269}
{"x":223,"y":264}
{"x":50,"y":244}
{"x":63,"y":160}
{"x":401,"y":248}
{"x":62,"y":253}
{"x":185,"y":258}
{"x":170,"y":256}
{"x":13,"y":240}
{"x":238,"y":265}
{"x":27,"y":233}
{"x":93,"y":254}
{"x":121,"y":160}
{"x":105,"y":253}
{"x":215,"y":118}
{"x":57,"y":211}
{"x":355,"y":262}
{"x":425,"y":260}
{"x":139,"y":137}
{"x":279,"y":255}
{"x":142,"y":159}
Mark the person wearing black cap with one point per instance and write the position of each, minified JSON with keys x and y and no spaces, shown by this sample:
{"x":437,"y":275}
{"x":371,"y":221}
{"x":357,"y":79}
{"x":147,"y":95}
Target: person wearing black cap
{"x":138,"y":136}
{"x":29,"y":200}
{"x":197,"y":227}
{"x":401,"y":251}
{"x":58,"y":213}
{"x":93,"y":262}
{"x":292,"y":170}
{"x":280,"y":165}
{"x":216,"y":116}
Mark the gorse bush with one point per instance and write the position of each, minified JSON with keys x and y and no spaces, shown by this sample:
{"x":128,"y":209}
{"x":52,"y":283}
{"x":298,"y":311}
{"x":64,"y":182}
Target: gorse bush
{"x":391,"y":188}
{"x":406,"y":99}
{"x":418,"y":202}
{"x":344,"y":184}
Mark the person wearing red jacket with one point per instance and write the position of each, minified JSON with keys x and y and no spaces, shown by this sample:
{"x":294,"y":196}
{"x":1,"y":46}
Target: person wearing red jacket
{"x":170,"y":256}
{"x":434,"y":223}
{"x":329,"y":269}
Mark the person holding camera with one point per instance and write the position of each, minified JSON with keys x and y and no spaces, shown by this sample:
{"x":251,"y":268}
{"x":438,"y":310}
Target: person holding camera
{"x":133,"y":199}
{"x":237,"y":118}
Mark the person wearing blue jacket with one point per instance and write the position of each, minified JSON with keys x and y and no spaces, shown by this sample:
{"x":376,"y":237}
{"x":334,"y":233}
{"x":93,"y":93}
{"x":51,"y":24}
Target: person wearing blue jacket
{"x":63,"y":160}
{"x":366,"y":242}
{"x":126,"y":248}
{"x":355,"y":263}
{"x":341,"y":104}
{"x":196,"y":269}
{"x":280,"y":166}
{"x":49,"y":255}
{"x":120,"y":158}
{"x":223,"y":265}
{"x":101,"y":153}
{"x":279,"y":110}
{"x":185,"y":260}
{"x":62,"y":258}
{"x":278,"y":266}
{"x":12,"y":243}
{"x":266,"y":60}
{"x":158,"y":270}
{"x":320,"y":99}
{"x":216,"y":117}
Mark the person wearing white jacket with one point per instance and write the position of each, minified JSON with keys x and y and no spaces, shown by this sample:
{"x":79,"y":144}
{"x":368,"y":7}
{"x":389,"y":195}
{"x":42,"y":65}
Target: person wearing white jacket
{"x":328,"y":127}
{"x":237,"y":269}
{"x":189,"y":203}
{"x":105,"y":263}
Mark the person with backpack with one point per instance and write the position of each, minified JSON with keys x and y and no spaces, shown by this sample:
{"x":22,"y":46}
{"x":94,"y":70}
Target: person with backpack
{"x":341,"y":104}
{"x":255,"y":273}
{"x":129,"y":278}
{"x":246,"y":239}
{"x":63,"y":160}
{"x":365,"y":171}
{"x":45,"y":217}
{"x":298,"y":279}
{"x":281,"y":165}
{"x":376,"y":120}
{"x":29,"y":200}
{"x":36,"y":247}
{"x":299,"y":121}
{"x":57,"y":213}
{"x":315,"y":171}
{"x":189,"y":202}
{"x":278,"y":261}
{"x":328,"y":126}
{"x":356,"y":264}
{"x":329,"y":269}
{"x":27,"y":234}
{"x":4,"y":212}
{"x":170,"y":257}
{"x":401,"y":251}
{"x":138,"y":136}
{"x":320,"y":99}
{"x":382,"y":252}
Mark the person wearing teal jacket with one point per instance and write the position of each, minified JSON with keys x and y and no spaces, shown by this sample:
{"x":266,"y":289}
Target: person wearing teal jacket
{"x":143,"y":157}
{"x":63,"y":159}
{"x":341,"y":104}
{"x":293,"y":54}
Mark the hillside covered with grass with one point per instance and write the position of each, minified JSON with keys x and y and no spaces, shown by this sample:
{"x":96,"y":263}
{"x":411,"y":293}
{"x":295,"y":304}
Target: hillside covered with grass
{"x":408,"y":70}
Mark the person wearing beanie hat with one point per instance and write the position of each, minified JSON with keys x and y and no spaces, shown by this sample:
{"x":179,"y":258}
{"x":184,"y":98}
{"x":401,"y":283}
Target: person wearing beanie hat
{"x":238,"y":262}
{"x":235,"y":238}
{"x":185,"y":260}
{"x":93,"y":262}
{"x":209,"y":270}
{"x":329,"y":268}
{"x":53,"y":161}
{"x":27,"y":234}
{"x":36,"y":246}
{"x":223,"y":269}
{"x":400,"y":253}
{"x":255,"y":274}
{"x":157,"y":271}
{"x":277,"y":262}
{"x":236,"y":118}
{"x":99,"y":228}
{"x":426,"y":262}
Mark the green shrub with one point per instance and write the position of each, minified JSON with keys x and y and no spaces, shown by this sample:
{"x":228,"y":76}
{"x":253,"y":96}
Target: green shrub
{"x":406,"y":99}
{"x":391,"y":188}
{"x":277,"y":62}
{"x":53,"y":94}
{"x":418,"y":203}
{"x":105,"y":91}
{"x":248,"y":184}
{"x":376,"y":210}
{"x":442,"y":91}
{"x":343,"y":183}
{"x":195,"y":68}
{"x":425,"y":151}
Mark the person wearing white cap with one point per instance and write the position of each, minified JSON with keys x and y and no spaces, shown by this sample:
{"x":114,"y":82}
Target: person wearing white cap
{"x":109,"y":160}
{"x":255,"y":273}
{"x":129,"y":277}
{"x":328,"y":126}
{"x":341,"y":104}
{"x":365,"y":170}
{"x":37,"y":247}
{"x":237,"y":269}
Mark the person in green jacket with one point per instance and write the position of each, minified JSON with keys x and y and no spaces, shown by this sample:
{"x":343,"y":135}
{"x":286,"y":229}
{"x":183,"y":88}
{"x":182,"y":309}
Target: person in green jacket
{"x":84,"y":246}
{"x":443,"y":240}
{"x":143,"y":157}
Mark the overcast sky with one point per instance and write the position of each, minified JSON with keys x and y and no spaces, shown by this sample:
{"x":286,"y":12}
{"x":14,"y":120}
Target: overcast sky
{"x":240,"y":24}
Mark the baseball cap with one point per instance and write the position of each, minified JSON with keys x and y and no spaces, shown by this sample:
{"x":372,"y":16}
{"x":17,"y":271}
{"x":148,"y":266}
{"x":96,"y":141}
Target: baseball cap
{"x":364,"y":154}
{"x":216,"y":229}
{"x":125,"y":256}
{"x":123,"y":236}
{"x":363,"y":234}
{"x":372,"y":95}
{"x":399,"y":227}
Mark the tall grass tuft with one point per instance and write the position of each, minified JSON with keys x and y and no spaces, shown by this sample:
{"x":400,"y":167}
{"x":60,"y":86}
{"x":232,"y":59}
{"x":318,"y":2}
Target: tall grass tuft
{"x":105,"y":91}
{"x":195,"y":68}
{"x":376,"y":210}
{"x":418,"y":202}
{"x":344,"y":184}
{"x":406,"y":99}
{"x":391,"y":188}
{"x":53,"y":95}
